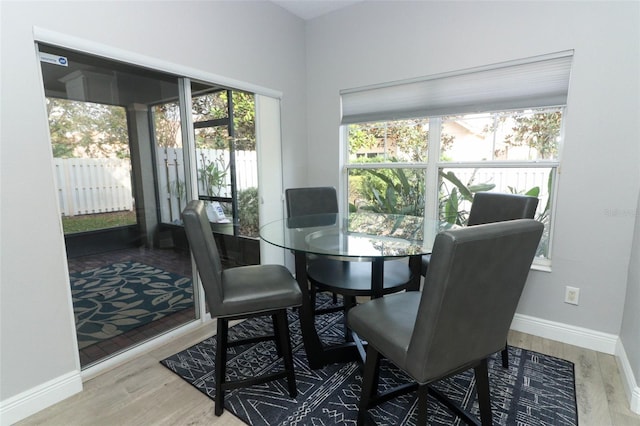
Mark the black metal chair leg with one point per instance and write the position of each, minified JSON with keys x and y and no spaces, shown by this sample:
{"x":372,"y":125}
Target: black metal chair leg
{"x":505,"y":356}
{"x":369,"y":383}
{"x":423,"y":395}
{"x":313,"y":291}
{"x":482,"y":387}
{"x":221,"y":364}
{"x":282,"y":335}
{"x":278,"y":341}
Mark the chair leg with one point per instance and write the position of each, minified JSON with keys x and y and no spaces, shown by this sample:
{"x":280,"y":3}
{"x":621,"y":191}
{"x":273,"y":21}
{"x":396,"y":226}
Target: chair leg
{"x":221,"y":364}
{"x":276,"y":335}
{"x":312,"y":294}
{"x":282,"y":335}
{"x":482,"y":387}
{"x":505,"y":356}
{"x":369,"y":383}
{"x":423,"y":395}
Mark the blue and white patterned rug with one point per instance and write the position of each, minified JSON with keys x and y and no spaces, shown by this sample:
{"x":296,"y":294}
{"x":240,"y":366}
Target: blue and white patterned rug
{"x":114,"y":299}
{"x":536,"y":389}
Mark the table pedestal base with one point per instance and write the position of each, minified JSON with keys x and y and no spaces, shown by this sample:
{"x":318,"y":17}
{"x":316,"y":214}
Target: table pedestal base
{"x":319,"y":355}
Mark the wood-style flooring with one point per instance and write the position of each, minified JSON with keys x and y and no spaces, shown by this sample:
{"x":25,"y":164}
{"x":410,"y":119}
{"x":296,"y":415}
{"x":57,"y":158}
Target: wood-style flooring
{"x":143,"y":392}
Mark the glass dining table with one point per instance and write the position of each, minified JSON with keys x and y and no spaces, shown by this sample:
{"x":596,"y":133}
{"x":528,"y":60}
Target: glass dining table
{"x":354,"y":237}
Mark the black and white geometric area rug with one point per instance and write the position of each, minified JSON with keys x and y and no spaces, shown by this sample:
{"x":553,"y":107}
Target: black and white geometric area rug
{"x":536,"y":389}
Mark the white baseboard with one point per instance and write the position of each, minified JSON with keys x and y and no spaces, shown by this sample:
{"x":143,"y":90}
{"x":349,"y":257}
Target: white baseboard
{"x":45,"y":395}
{"x":577,"y":336}
{"x":588,"y":339}
{"x":628,"y":379}
{"x":40,"y":397}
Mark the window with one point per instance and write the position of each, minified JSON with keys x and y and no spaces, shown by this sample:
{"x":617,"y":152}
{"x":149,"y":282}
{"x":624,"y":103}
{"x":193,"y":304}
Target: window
{"x":424,"y":147}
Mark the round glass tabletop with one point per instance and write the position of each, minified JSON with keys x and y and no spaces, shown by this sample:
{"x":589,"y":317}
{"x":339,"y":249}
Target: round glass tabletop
{"x":354,"y":235}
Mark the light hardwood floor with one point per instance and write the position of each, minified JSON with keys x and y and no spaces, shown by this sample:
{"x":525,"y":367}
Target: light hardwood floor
{"x":143,"y":392}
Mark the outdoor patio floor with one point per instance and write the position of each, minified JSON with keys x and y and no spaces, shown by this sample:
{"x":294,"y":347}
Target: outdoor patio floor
{"x":177,"y":262}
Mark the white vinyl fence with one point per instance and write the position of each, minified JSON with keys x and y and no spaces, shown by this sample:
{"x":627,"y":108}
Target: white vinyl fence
{"x":101,"y":185}
{"x":88,"y":185}
{"x":171,"y":181}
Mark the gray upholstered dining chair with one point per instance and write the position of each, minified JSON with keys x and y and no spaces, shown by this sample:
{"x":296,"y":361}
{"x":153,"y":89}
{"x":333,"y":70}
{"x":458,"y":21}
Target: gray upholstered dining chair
{"x":310,"y":201}
{"x":490,"y":207}
{"x":350,"y":279}
{"x":460,"y":319}
{"x":238,"y":293}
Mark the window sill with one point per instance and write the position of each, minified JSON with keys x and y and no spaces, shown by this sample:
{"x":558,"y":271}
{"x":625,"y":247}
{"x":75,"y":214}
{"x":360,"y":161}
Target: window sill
{"x":542,"y":267}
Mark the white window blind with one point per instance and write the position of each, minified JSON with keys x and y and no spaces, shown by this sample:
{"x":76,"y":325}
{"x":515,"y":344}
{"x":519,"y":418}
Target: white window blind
{"x":535,"y":82}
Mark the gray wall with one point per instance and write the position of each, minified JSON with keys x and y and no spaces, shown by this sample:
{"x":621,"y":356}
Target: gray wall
{"x":258,"y":43}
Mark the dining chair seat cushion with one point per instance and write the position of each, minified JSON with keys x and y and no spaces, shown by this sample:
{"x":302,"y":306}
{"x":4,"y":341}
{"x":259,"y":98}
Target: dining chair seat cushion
{"x":257,"y":288}
{"x":354,"y":278}
{"x":387,"y":323}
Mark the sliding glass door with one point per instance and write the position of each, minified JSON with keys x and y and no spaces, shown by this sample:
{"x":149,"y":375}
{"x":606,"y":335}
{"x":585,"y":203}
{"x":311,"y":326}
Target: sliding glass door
{"x":126,"y":164}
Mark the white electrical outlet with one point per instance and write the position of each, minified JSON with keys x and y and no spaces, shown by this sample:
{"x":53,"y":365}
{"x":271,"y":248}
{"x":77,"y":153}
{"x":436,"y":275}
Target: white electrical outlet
{"x":571,"y":295}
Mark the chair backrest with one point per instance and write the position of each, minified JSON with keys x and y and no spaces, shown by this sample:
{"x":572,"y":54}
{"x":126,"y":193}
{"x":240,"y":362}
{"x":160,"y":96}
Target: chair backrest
{"x":312,"y":200}
{"x":489,"y":207}
{"x":471,"y":292}
{"x":205,"y":252}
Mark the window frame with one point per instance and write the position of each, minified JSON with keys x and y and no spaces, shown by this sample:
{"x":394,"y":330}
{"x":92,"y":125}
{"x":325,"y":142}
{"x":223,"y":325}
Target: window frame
{"x":434,"y":164}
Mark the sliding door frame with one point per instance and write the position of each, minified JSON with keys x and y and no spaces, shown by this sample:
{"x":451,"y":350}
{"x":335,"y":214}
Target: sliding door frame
{"x":184,"y":75}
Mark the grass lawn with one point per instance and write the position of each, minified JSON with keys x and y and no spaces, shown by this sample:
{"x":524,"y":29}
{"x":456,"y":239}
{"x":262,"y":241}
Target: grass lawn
{"x":92,"y":222}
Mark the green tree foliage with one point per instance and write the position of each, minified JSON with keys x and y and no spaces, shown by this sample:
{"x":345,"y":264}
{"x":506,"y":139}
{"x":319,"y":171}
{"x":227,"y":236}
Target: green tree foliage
{"x":248,"y":206}
{"x":539,"y":131}
{"x":213,"y":106}
{"x":390,"y":190}
{"x":85,"y":129}
{"x":387,"y":190}
{"x":361,"y":138}
{"x":166,"y":119}
{"x":406,"y":137}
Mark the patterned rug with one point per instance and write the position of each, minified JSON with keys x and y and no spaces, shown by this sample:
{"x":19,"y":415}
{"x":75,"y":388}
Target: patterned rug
{"x":117,"y":298}
{"x":536,"y":389}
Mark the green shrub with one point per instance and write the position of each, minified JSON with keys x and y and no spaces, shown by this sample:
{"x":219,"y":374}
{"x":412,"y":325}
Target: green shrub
{"x":248,"y":212}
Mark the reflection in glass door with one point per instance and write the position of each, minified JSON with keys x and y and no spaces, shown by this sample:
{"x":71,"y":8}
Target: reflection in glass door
{"x":226,"y":170}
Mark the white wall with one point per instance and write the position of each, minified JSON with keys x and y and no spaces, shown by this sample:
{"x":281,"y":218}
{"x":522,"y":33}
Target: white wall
{"x":254,"y":42}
